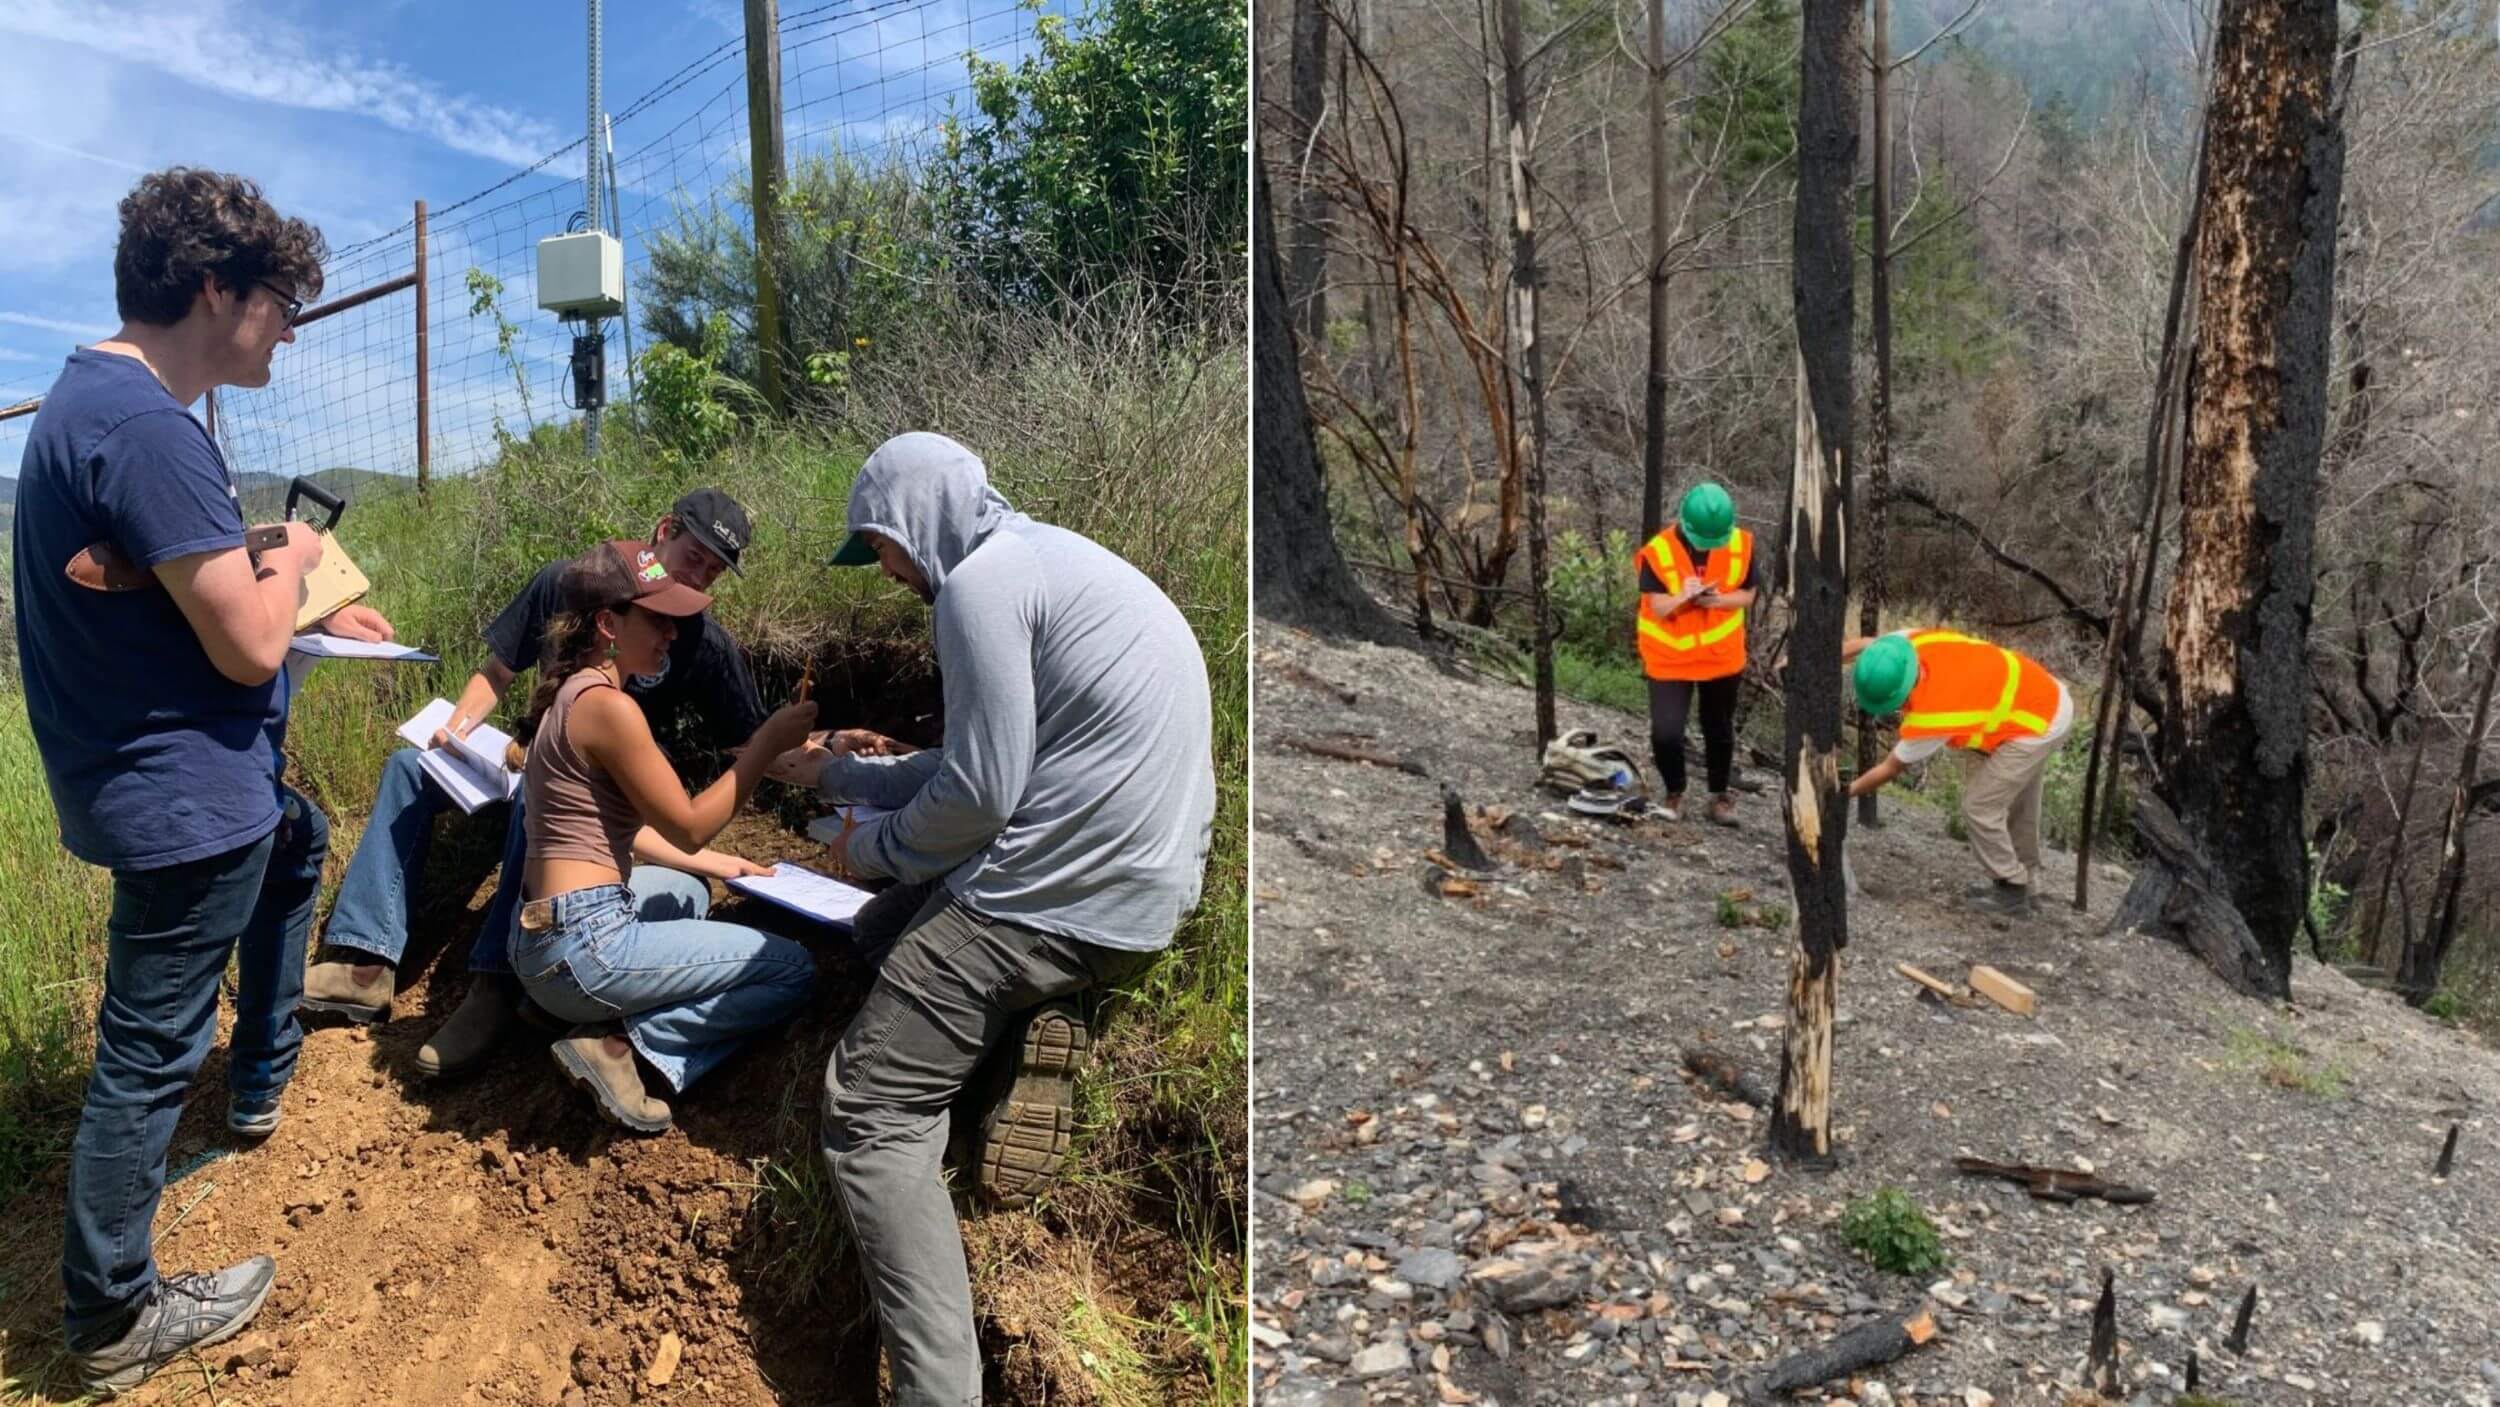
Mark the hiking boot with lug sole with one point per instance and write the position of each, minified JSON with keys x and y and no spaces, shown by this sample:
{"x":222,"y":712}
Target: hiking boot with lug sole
{"x":1997,"y":896}
{"x":489,"y":1013}
{"x":1026,"y":1137}
{"x":186,"y":1312}
{"x":333,"y":989}
{"x":253,"y":1118}
{"x":1723,"y":809}
{"x":610,"y":1079}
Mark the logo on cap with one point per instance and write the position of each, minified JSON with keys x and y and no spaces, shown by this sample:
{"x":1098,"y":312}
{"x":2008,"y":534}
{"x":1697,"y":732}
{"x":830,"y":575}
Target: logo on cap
{"x":721,"y":530}
{"x":649,"y":567}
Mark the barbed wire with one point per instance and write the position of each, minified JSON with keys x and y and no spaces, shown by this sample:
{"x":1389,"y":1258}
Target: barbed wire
{"x":868,"y":80}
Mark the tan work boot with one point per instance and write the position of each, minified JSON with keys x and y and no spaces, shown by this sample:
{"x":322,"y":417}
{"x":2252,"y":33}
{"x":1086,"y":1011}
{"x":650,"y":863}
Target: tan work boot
{"x":1672,"y":808}
{"x":1026,"y":1136}
{"x":603,"y":1065}
{"x":1723,"y":809}
{"x":358,"y":992}
{"x":489,"y":1013}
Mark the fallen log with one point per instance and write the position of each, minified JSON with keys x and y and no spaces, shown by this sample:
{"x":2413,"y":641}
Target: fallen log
{"x":2055,"y":1184}
{"x":1868,"y":1345}
{"x":1347,"y":752}
{"x":1724,"y":1075}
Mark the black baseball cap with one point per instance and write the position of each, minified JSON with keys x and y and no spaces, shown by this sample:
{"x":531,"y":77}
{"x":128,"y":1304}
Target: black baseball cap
{"x":716,"y":521}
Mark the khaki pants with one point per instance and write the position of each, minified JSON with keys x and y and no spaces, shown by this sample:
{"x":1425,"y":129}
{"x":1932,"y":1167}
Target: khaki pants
{"x":2001,"y":805}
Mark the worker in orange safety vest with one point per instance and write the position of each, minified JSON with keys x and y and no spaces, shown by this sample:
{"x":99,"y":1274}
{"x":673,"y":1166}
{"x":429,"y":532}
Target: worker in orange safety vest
{"x":2002,"y":706}
{"x":1692,"y":637}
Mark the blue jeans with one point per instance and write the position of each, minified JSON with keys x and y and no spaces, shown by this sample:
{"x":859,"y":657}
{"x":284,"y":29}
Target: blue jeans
{"x":371,"y":912}
{"x":688,"y":990}
{"x":167,"y":943}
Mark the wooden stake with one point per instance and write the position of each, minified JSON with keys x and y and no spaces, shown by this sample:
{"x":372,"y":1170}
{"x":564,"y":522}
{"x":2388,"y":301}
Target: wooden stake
{"x":2447,"y":1152}
{"x":1873,"y":1342}
{"x":1458,"y":842}
{"x":2003,"y":990}
{"x":1934,"y":984}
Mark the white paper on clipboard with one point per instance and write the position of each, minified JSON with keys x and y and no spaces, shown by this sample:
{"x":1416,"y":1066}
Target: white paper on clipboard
{"x":804,"y":892}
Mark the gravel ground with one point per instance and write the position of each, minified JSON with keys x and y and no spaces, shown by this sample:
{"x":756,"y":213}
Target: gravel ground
{"x":1482,"y":1177}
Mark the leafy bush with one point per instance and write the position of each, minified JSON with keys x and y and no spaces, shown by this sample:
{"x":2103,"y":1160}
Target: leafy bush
{"x":683,"y":398}
{"x":1592,"y":590}
{"x":1887,"y":1228}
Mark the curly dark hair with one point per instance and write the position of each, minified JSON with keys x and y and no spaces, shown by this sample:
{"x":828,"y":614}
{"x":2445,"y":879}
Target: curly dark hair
{"x":596,"y":581}
{"x":180,"y":223}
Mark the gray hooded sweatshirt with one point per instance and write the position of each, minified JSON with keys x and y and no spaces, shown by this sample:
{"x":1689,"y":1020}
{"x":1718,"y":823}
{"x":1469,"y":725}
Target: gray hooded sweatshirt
{"x":1075,"y":791}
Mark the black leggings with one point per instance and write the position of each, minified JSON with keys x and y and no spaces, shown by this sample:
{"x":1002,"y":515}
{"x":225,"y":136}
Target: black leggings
{"x":1669,"y":701}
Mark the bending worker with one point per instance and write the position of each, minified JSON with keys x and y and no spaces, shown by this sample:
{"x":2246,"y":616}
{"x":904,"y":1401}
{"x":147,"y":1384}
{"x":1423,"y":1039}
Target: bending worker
{"x":1983,"y":698}
{"x":1692,"y":632}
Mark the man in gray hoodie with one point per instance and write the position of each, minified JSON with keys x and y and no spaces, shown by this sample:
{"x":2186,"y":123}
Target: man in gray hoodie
{"x":1064,"y":822}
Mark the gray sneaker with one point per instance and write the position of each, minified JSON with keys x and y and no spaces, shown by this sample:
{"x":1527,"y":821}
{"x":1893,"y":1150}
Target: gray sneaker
{"x":186,"y":1312}
{"x":1026,"y":1136}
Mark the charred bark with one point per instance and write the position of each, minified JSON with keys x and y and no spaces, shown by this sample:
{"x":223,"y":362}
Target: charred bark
{"x":1307,"y":267}
{"x":1817,"y":566}
{"x":2180,"y":894}
{"x":2235,"y":675}
{"x":1524,"y":275}
{"x":1297,"y":574}
{"x":1874,"y":576}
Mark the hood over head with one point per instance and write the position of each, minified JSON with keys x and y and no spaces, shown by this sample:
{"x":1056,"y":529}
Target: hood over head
{"x":931,"y":496}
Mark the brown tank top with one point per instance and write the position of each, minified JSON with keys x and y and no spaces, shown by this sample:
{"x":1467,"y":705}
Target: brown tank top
{"x":574,"y":811}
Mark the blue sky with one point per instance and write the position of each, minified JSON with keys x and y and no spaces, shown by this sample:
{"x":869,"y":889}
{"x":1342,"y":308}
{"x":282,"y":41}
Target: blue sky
{"x":346,"y":113}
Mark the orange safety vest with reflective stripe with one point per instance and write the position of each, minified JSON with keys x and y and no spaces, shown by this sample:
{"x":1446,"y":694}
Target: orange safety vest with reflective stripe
{"x":1976,"y":695}
{"x":1696,"y":642}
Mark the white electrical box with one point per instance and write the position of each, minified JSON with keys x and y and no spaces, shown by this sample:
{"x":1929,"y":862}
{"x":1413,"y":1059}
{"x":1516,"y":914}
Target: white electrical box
{"x":582,"y":275}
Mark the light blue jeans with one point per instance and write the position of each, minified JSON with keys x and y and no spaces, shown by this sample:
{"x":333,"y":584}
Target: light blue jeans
{"x":689,"y":991}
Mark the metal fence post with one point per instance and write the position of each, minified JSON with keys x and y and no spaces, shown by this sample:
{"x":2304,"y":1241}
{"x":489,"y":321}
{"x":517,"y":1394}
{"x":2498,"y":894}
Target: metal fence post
{"x":424,"y":415}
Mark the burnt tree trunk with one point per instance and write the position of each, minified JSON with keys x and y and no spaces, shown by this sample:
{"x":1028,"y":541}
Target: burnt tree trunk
{"x":2375,"y":951}
{"x":1661,"y":220}
{"x":1818,"y":566}
{"x":1523,"y":285}
{"x":2417,"y":975}
{"x":2235,"y":673}
{"x":1307,"y":265}
{"x":1875,"y":565}
{"x":1296,"y":573}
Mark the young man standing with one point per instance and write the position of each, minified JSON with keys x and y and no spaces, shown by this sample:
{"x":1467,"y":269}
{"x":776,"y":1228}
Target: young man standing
{"x":153,"y":645}
{"x":1067,"y":814}
{"x":705,"y":680}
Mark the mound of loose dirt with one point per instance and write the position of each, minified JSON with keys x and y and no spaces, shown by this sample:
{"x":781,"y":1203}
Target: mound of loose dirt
{"x":492,"y":1241}
{"x":1482,"y":1175}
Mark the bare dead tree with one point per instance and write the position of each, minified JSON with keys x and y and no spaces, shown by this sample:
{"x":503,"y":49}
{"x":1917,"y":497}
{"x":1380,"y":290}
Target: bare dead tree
{"x":1818,"y":567}
{"x":2417,"y":973}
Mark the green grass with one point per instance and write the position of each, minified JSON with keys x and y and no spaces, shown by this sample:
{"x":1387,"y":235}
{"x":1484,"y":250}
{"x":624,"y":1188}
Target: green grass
{"x":2283,"y":1064}
{"x":1105,"y":427}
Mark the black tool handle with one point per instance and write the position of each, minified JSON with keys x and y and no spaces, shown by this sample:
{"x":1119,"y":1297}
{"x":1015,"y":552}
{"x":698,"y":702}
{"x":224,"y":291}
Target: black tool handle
{"x":322,"y":498}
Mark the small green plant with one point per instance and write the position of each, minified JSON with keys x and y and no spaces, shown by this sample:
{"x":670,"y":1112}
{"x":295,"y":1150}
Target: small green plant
{"x":1887,"y":1228}
{"x":2284,"y":1065}
{"x":2198,"y":1399}
{"x":1731,"y":912}
{"x":485,"y":300}
{"x":685,"y":396}
{"x":1358,"y":1193}
{"x":1772,"y":916}
{"x":2444,"y":1005}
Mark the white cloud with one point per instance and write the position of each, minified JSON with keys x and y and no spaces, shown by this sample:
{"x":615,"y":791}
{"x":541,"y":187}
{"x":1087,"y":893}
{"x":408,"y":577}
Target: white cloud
{"x":194,"y":40}
{"x":89,"y":331}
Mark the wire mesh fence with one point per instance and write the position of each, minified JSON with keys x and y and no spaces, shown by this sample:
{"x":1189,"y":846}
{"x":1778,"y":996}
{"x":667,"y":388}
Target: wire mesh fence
{"x":869,"y":81}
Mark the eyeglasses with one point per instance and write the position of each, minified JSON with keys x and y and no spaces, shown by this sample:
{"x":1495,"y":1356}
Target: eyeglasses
{"x":294,"y":306}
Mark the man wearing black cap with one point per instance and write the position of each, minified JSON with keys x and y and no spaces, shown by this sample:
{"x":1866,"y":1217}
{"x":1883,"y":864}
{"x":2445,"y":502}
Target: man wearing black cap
{"x":704,"y":680}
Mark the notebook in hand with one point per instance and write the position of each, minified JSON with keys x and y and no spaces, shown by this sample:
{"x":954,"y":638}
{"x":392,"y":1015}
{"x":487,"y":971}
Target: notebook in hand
{"x":470,"y":770}
{"x":804,"y":892}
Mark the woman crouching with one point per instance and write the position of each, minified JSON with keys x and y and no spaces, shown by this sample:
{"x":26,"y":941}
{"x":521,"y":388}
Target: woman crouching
{"x":624,"y":949}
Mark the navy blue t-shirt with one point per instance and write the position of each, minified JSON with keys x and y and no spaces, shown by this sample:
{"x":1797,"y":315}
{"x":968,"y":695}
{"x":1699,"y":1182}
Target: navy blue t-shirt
{"x":154,"y":758}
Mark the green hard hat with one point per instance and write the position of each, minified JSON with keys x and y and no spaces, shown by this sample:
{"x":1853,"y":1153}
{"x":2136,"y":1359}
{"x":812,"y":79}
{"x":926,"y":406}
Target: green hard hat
{"x":1708,"y":516}
{"x":1886,"y":670}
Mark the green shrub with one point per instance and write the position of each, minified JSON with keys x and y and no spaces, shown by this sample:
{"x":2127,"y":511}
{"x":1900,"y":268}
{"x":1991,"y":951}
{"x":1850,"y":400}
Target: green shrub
{"x":1887,"y":1228}
{"x":1592,"y":591}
